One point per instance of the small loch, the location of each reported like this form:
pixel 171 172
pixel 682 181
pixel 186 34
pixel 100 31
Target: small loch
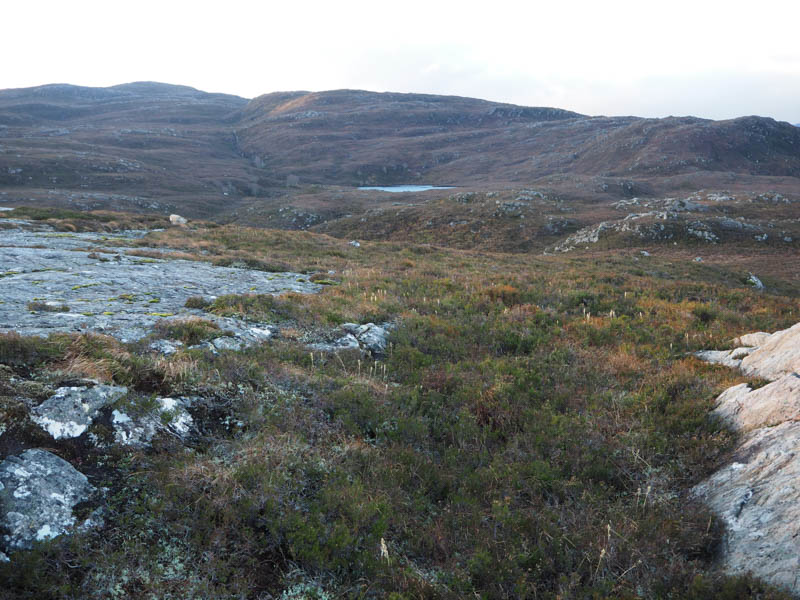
pixel 406 188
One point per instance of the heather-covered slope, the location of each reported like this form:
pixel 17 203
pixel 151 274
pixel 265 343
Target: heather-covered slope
pixel 164 148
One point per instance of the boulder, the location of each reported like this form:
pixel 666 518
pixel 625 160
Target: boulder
pixel 177 220
pixel 70 411
pixel 226 343
pixel 347 342
pixel 755 282
pixel 38 491
pixel 370 336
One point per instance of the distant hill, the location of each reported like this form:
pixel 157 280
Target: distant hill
pixel 154 146
pixel 349 137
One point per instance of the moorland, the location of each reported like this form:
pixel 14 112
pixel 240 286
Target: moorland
pixel 533 425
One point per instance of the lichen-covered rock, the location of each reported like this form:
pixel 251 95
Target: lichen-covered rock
pixel 38 491
pixel 170 415
pixel 370 336
pixel 346 342
pixel 117 296
pixel 226 343
pixel 753 280
pixel 70 411
pixel 166 347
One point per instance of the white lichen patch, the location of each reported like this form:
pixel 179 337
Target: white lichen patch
pixel 58 429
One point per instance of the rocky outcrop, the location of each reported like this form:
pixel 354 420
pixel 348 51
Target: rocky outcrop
pixel 38 491
pixel 777 355
pixel 114 293
pixel 757 495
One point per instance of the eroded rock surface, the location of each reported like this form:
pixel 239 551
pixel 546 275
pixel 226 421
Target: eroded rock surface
pixel 116 293
pixel 38 491
pixel 758 494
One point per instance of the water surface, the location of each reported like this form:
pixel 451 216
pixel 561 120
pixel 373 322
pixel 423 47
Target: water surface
pixel 406 188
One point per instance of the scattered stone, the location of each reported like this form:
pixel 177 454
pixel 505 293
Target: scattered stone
pixel 70 411
pixel 755 282
pixel 38 491
pixel 177 220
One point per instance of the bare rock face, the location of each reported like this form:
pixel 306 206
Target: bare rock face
pixel 746 409
pixel 758 494
pixel 775 356
pixel 38 491
pixel 758 497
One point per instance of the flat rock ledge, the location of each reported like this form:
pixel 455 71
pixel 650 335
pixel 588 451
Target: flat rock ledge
pixel 757 495
pixel 38 491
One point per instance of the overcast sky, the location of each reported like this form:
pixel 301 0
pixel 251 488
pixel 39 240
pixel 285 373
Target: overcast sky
pixel 707 58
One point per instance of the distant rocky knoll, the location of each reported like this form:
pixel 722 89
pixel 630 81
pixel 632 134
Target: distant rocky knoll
pixel 758 494
pixel 164 148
